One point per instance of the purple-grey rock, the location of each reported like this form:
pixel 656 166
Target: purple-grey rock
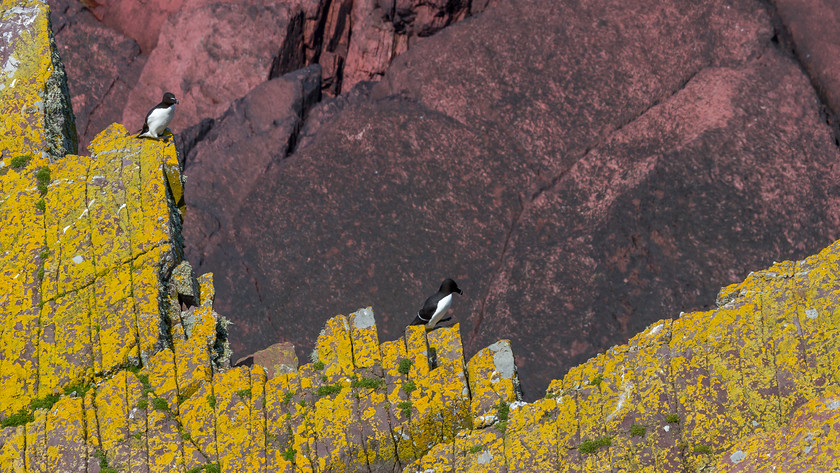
pixel 580 169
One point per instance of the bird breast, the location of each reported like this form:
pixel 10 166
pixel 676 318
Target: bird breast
pixel 442 306
pixel 159 119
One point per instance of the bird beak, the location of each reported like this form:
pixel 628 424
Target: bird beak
pixel 460 292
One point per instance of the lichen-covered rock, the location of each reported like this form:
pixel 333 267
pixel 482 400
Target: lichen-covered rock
pixel 101 369
pixel 35 115
pixel 185 285
pixel 493 383
pixel 808 443
pixel 710 388
pixel 86 241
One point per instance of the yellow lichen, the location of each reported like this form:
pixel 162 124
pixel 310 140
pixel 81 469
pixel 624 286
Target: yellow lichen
pixel 121 377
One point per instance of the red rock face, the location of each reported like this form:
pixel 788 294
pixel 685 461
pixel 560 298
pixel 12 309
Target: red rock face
pixel 814 28
pixel 224 167
pixel 104 66
pixel 139 20
pixel 582 169
pixel 695 193
pixel 208 59
pixel 210 53
pixel 579 183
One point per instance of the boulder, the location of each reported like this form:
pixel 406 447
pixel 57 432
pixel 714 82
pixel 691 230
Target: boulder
pixel 814 30
pixel 573 168
pixel 255 134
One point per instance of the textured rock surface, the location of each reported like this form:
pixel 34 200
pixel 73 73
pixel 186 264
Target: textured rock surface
pixel 35 117
pixel 585 188
pixel 83 263
pixel 733 176
pixel 808 443
pixel 814 28
pixel 526 89
pixel 342 230
pixel 223 167
pixel 101 371
pixel 680 395
pixel 211 53
pixel 208 59
pixel 141 21
pixel 277 359
pixel 103 64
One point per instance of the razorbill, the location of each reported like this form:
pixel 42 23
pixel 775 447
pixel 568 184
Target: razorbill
pixel 436 305
pixel 159 117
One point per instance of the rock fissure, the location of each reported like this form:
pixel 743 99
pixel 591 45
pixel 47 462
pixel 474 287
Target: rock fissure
pixel 751 391
pixel 93 111
pixel 499 266
pixel 771 343
pixel 784 42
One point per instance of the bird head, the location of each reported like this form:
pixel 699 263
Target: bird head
pixel 450 286
pixel 169 98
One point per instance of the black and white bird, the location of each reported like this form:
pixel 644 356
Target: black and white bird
pixel 436 305
pixel 159 117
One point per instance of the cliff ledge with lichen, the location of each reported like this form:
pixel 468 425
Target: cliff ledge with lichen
pixel 113 359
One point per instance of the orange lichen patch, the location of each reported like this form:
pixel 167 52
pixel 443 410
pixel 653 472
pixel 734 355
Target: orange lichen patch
pixel 416 350
pixel 483 451
pixel 480 450
pixel 109 426
pixel 21 241
pixel 110 209
pixel 64 347
pixel 808 443
pixel 206 289
pixel 68 228
pixel 113 316
pixel 257 453
pixel 281 399
pixel 164 441
pixel 192 355
pixel 335 350
pixel 65 436
pixel 12 448
pixel 159 370
pixel 375 427
pixel 334 417
pixel 199 423
pixel 446 386
pixel 491 373
pixel 392 354
pixel 29 74
pixel 530 440
pixel 141 181
pixel 233 392
pixel 36 442
pixel 19 360
pixel 365 339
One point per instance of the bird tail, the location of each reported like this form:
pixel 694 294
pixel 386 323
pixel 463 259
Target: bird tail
pixel 419 320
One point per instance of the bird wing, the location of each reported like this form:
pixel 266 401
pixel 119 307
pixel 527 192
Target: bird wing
pixel 146 120
pixel 425 314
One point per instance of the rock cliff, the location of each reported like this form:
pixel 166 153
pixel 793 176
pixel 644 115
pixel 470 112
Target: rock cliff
pixel 650 151
pixel 112 357
pixel 528 152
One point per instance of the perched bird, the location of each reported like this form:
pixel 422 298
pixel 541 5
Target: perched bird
pixel 436 305
pixel 159 117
